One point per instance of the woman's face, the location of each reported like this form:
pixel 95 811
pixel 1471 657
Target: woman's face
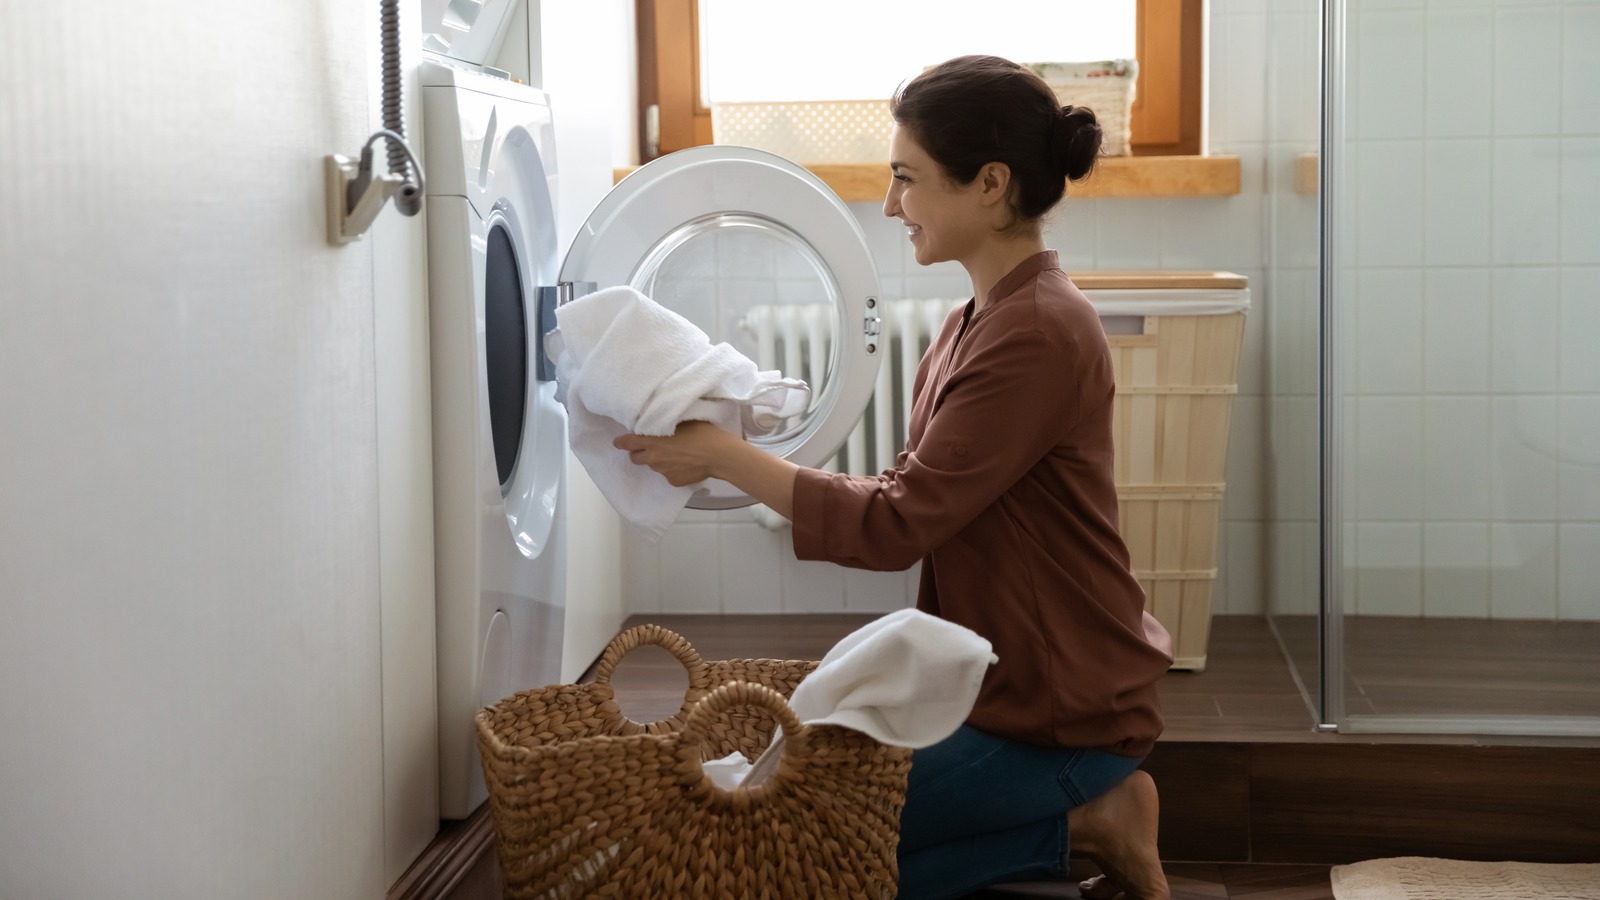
pixel 944 219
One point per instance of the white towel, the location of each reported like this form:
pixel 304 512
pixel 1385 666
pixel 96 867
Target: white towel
pixel 908 679
pixel 624 363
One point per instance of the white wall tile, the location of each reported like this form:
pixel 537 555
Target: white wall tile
pixel 1522 581
pixel 1580 201
pixel 1580 330
pixel 1580 70
pixel 1525 459
pixel 1389 331
pixel 1291 320
pixel 1580 458
pixel 886 238
pixel 1127 232
pixel 1292 447
pixel 811 586
pixel 1238 80
pixel 1070 231
pixel 1244 497
pixel 1388 195
pixel 1460 45
pixel 1527 201
pixel 752 568
pixel 1219 232
pixel 1294 59
pixel 1245 563
pixel 1526 316
pixel 1293 235
pixel 1456 199
pixel 1456 470
pixel 1456 331
pixel 1527 47
pixel 1578 583
pixel 1388 577
pixel 1350 473
pixel 1388 468
pixel 690 565
pixel 1455 580
pixel 1293 579
pixel 874 592
pixel 1387 75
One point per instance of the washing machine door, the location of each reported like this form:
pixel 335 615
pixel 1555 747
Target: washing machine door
pixel 757 252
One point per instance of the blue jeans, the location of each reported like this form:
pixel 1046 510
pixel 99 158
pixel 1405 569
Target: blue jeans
pixel 982 810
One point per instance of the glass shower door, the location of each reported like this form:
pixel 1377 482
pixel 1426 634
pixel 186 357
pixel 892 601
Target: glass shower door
pixel 1461 390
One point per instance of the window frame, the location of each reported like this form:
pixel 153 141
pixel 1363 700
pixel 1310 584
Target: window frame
pixel 1166 120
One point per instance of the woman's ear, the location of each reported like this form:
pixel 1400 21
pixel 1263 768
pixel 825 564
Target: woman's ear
pixel 994 182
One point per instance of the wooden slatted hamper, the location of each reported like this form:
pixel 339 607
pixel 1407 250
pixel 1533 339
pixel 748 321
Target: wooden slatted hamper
pixel 1175 343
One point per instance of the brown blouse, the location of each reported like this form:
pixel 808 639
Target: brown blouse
pixel 1005 493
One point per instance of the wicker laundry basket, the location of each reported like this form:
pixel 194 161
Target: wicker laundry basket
pixel 589 804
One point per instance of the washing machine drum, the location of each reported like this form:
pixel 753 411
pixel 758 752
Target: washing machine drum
pixel 505 351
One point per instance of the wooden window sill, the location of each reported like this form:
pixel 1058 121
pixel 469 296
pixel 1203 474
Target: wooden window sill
pixel 1115 176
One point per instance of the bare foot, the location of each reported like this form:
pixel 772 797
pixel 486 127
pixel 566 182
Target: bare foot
pixel 1118 831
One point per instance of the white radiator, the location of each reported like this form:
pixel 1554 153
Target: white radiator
pixel 797 339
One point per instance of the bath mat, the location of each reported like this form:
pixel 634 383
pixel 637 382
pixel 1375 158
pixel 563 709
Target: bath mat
pixel 1426 878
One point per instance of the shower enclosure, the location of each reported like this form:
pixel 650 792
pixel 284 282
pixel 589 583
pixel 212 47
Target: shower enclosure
pixel 1433 363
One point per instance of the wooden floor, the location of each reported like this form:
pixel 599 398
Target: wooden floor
pixel 1248 691
pixel 1461 667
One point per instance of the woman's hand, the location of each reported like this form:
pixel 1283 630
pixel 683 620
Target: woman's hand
pixel 692 454
pixel 700 450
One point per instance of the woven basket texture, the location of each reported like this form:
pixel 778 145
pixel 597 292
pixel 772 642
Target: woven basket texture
pixel 587 803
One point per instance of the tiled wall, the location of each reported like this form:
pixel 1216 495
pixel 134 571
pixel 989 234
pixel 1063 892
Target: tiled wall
pixel 1471 276
pixel 726 562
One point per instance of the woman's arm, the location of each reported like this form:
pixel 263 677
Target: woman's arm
pixel 700 450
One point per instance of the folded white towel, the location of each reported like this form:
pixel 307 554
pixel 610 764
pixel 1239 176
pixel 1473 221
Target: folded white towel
pixel 624 363
pixel 908 679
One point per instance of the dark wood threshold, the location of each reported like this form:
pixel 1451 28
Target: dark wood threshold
pixel 456 864
pixel 1339 802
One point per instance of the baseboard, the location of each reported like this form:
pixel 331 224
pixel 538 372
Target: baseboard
pixel 454 864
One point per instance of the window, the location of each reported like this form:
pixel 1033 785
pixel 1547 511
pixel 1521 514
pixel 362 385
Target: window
pixel 675 86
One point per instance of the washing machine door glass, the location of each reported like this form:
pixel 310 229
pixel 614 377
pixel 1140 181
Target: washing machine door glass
pixel 505 339
pixel 759 253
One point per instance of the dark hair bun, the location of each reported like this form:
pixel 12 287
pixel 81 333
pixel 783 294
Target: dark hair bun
pixel 1075 141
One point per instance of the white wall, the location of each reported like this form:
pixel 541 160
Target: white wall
pixel 190 700
pixel 1472 280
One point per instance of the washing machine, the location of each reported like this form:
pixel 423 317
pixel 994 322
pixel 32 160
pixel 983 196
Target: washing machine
pixel 499 434
pixel 737 240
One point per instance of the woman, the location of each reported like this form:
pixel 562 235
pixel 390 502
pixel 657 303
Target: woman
pixel 1005 493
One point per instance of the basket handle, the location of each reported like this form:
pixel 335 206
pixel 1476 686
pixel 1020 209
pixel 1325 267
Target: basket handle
pixel 671 641
pixel 737 693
